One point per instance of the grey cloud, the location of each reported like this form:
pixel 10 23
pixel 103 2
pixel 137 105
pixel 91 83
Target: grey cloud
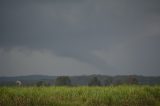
pixel 75 29
pixel 22 61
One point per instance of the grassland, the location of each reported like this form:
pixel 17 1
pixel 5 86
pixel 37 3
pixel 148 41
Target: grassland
pixel 80 96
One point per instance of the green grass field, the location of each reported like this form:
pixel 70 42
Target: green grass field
pixel 80 96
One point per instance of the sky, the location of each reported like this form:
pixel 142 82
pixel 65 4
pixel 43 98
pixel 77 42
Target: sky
pixel 79 37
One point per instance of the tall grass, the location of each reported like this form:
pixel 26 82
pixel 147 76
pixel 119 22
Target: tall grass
pixel 80 96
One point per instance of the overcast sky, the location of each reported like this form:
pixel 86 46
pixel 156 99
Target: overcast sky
pixel 78 37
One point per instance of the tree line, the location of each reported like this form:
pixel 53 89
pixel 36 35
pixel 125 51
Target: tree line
pixel 94 81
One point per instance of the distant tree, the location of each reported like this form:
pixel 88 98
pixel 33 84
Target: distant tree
pixel 40 83
pixel 132 80
pixel 94 82
pixel 108 81
pixel 43 83
pixel 47 84
pixel 118 82
pixel 63 81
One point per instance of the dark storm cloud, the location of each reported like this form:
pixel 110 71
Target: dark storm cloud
pixel 78 28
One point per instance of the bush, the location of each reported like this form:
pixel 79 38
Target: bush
pixel 63 81
pixel 94 82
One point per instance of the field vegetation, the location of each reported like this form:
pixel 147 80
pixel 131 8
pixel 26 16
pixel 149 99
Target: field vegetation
pixel 123 95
